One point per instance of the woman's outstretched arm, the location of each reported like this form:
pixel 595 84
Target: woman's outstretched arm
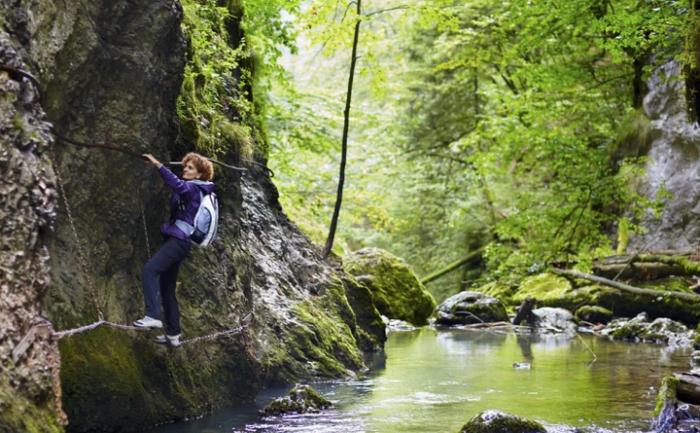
pixel 170 179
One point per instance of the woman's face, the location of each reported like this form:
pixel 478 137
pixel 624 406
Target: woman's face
pixel 190 172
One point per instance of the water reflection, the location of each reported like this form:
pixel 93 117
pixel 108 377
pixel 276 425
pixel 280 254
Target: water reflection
pixel 434 381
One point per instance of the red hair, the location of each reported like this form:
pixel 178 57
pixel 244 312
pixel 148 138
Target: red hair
pixel 202 164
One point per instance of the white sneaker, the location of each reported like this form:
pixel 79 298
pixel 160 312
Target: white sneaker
pixel 148 322
pixel 172 340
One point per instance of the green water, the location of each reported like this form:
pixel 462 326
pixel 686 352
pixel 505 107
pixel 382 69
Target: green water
pixel 434 381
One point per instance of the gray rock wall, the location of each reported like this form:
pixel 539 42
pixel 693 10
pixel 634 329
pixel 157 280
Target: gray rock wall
pixel 673 164
pixel 29 360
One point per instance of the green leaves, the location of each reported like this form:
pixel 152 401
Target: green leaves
pixel 217 111
pixel 478 122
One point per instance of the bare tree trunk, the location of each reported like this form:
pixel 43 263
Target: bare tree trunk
pixel 346 126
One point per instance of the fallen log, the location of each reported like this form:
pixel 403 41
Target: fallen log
pixel 624 258
pixel 626 287
pixel 451 267
pixel 639 270
pixel 648 266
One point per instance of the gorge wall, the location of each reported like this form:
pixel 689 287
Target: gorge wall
pixel 111 72
pixel 673 165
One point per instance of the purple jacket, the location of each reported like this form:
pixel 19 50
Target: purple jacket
pixel 184 202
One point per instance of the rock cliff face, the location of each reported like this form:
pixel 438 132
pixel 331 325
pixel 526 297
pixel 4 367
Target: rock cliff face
pixel 110 72
pixel 674 164
pixel 29 390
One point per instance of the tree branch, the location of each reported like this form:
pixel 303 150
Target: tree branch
pixel 626 287
pixel 381 11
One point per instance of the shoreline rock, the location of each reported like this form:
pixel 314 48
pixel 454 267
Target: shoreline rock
pixel 661 331
pixel 493 421
pixel 301 399
pixel 396 290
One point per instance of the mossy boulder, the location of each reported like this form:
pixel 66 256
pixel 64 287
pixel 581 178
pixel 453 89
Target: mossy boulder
pixel 470 307
pixel 492 421
pixel 543 287
pixel 558 320
pixel 301 399
pixel 593 314
pixel 397 292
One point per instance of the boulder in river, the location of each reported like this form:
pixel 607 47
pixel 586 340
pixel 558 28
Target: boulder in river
pixel 396 290
pixel 470 307
pixel 556 320
pixel 493 421
pixel 301 399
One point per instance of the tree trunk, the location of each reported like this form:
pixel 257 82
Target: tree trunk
pixel 451 267
pixel 524 313
pixel 344 149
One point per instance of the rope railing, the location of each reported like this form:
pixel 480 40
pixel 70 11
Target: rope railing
pixel 208 337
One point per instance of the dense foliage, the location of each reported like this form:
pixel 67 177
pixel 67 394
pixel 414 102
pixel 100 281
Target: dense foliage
pixel 233 48
pixel 511 125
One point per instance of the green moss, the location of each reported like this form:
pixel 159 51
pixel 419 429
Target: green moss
pixel 543 287
pixel 674 284
pixel 321 341
pixel 396 290
pixel 623 235
pixel 371 331
pixel 214 106
pixel 17 414
pixel 667 394
pixel 112 380
pixel 593 314
pixel 631 331
pixel 502 292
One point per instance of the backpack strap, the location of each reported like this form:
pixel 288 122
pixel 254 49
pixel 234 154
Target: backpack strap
pixel 184 226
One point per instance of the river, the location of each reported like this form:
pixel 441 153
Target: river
pixel 435 380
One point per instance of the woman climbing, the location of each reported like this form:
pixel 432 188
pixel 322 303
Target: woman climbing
pixel 160 272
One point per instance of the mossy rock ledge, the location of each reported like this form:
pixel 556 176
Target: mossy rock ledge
pixel 396 290
pixel 593 314
pixel 301 399
pixel 493 421
pixel 661 330
pixel 554 291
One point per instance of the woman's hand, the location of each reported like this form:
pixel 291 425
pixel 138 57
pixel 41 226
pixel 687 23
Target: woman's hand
pixel 153 161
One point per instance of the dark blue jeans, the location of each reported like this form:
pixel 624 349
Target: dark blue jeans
pixel 160 275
